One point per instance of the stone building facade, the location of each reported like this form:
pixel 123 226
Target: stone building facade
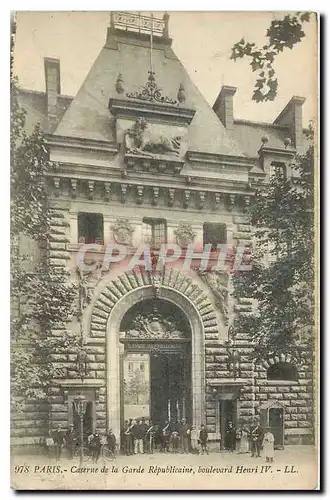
pixel 144 160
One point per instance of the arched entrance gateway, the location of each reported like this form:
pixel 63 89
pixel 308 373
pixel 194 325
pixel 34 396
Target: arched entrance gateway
pixel 155 336
pixel 155 370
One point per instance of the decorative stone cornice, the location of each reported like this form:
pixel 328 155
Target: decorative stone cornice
pixel 155 195
pixel 217 198
pixel 118 191
pixel 139 199
pixel 73 188
pixel 123 188
pixel 217 159
pixel 107 191
pixel 231 201
pixel 57 182
pixel 171 194
pixel 285 152
pixel 91 190
pixel 187 193
pixel 155 164
pixel 81 144
pixel 134 109
pixel 201 195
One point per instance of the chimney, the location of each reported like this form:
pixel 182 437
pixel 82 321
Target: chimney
pixel 53 87
pixel 224 108
pixel 291 116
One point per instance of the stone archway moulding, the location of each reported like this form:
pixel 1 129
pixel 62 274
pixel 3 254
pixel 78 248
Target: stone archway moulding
pixel 119 296
pixel 279 358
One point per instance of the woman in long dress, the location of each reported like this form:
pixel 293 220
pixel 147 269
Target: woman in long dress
pixel 268 445
pixel 244 442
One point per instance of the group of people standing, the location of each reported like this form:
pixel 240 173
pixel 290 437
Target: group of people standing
pixel 142 436
pixel 254 439
pixel 69 439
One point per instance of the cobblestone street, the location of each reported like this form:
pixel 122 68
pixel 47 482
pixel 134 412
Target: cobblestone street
pixel 292 469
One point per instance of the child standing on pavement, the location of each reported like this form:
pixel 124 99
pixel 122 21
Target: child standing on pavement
pixel 203 438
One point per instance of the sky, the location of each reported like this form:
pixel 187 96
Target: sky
pixel 201 40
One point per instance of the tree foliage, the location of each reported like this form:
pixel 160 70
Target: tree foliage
pixel 42 299
pixel 137 388
pixel 283 288
pixel 282 34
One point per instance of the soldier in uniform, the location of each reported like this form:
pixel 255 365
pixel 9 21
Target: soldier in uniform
pixel 256 437
pixel 150 437
pixel 165 442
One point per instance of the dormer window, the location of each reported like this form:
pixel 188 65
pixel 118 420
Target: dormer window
pixel 278 168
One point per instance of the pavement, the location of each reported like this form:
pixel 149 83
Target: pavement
pixel 294 468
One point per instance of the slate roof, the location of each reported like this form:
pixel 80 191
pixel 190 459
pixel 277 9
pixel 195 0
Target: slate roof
pixel 88 116
pixel 35 104
pixel 248 135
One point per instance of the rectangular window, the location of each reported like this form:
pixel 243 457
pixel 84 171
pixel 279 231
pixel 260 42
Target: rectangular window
pixel 154 231
pixel 277 168
pixel 214 234
pixel 90 228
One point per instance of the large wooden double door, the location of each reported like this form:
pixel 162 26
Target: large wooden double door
pixel 156 382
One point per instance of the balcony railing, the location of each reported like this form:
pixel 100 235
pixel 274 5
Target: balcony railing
pixel 139 23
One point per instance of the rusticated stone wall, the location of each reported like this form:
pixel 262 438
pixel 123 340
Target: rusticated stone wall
pixel 255 389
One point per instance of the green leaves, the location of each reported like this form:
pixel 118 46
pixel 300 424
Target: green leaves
pixel 282 33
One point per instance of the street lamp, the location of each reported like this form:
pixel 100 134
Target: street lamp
pixel 80 406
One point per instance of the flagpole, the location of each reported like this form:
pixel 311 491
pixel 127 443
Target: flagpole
pixel 151 42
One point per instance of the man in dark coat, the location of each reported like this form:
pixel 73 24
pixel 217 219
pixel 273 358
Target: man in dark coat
pixel 230 437
pixel 127 437
pixel 94 441
pixel 58 438
pixel 165 437
pixel 111 441
pixel 145 426
pixel 71 440
pixel 184 436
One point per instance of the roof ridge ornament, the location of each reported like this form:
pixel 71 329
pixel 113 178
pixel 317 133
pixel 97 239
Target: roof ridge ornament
pixel 151 92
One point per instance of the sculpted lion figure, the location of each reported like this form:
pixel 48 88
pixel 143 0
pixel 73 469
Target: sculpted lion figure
pixel 141 140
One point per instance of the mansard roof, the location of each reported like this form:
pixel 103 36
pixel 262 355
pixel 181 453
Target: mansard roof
pixel 128 54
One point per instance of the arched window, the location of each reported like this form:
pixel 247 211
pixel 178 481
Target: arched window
pixel 282 371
